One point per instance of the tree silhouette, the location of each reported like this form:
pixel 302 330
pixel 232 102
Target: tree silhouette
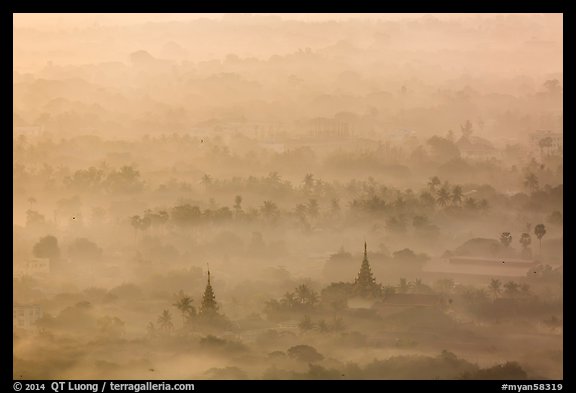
pixel 552 86
pixel 427 199
pixel 403 286
pixel 540 231
pixel 308 183
pixel 165 321
pixel 238 204
pixel 433 183
pixel 525 240
pixel 466 129
pixel 305 296
pixel 206 180
pixel 511 288
pixel 47 247
pixel 531 182
pixel 305 353
pixel 184 305
pixel 443 196
pixel 269 209
pixel 34 218
pixel 457 195
pixel 495 287
pixel 544 143
pixel 506 239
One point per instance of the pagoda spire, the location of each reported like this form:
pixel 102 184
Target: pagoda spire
pixel 209 306
pixel 365 284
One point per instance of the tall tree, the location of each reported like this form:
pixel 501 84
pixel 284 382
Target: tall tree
pixel 184 305
pixel 238 203
pixel 525 241
pixel 540 231
pixel 165 321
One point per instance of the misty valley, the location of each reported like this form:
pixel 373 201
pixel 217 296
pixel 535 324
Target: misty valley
pixel 300 199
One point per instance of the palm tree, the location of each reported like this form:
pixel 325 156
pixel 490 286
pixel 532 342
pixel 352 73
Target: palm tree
pixel 506 239
pixel 206 180
pixel 443 196
pixel 184 305
pixel 525 240
pixel 495 287
pixel 531 182
pixel 457 195
pixel 274 177
pixel 165 321
pixel 511 288
pixel 238 203
pixel 433 183
pixel 540 231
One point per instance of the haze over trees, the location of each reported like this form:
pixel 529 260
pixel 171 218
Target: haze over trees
pixel 305 197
